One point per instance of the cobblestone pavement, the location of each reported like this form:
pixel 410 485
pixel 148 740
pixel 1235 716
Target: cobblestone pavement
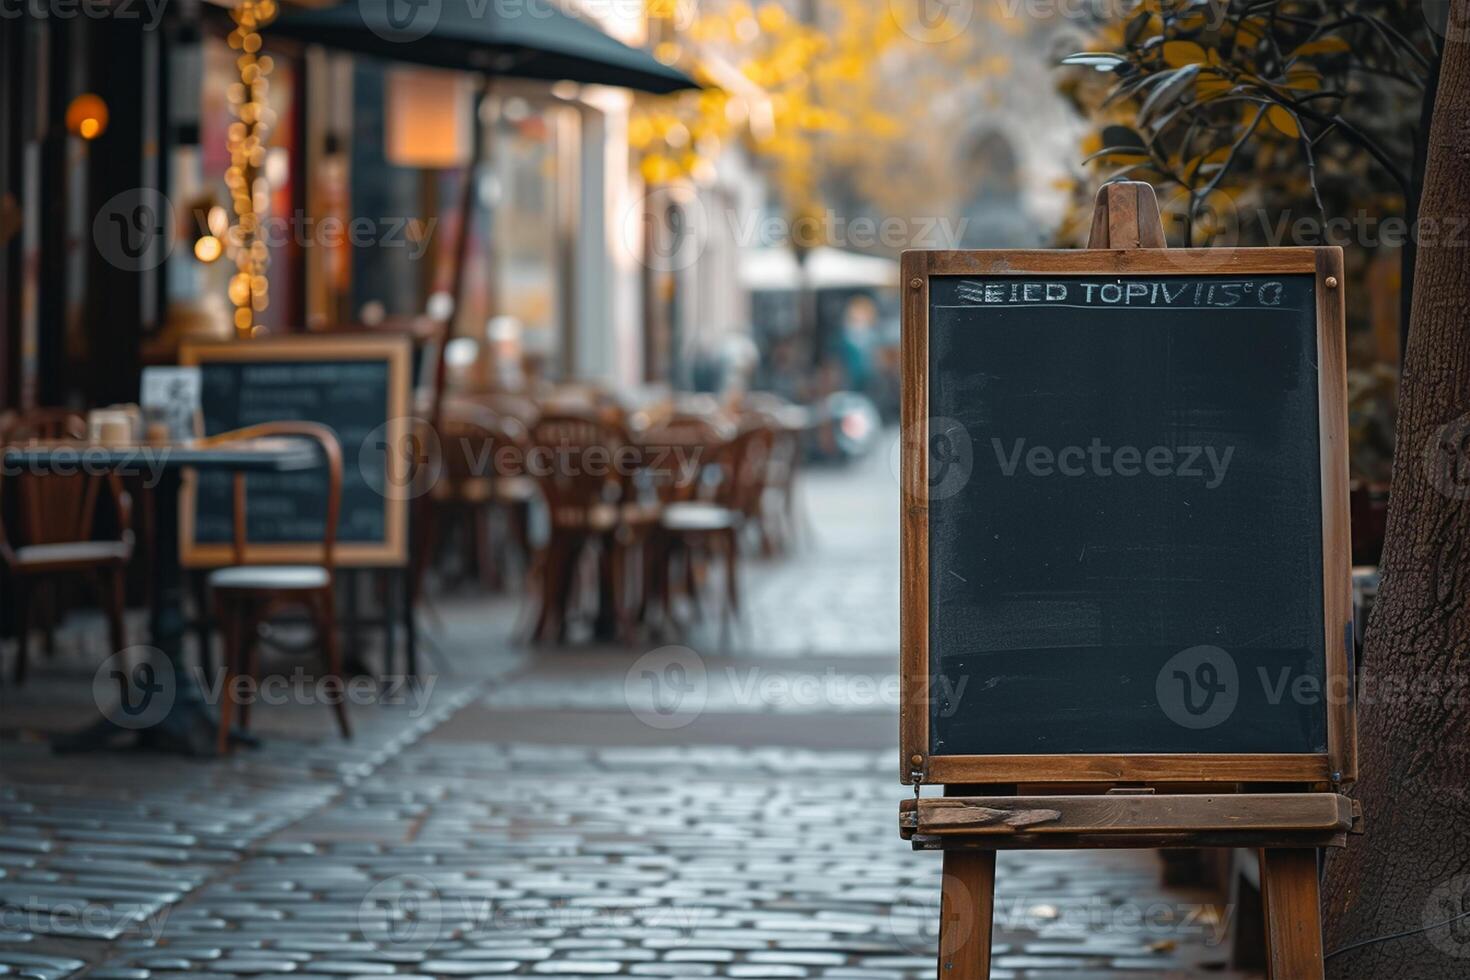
pixel 556 813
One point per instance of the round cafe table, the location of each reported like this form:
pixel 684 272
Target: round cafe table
pixel 181 721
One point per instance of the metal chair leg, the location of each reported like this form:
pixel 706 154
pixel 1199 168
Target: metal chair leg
pixel 230 640
pixel 326 606
pixel 22 628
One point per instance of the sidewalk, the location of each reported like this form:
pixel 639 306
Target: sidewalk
pixel 684 811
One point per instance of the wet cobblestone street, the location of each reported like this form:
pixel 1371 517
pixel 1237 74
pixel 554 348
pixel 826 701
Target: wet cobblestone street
pixel 551 813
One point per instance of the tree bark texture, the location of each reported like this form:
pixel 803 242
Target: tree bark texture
pixel 1412 867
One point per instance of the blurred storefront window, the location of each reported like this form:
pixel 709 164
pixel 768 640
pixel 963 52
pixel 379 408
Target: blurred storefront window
pixel 524 165
pixel 365 202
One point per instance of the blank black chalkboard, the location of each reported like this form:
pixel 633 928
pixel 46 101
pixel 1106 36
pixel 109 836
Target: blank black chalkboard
pixel 356 387
pixel 1125 543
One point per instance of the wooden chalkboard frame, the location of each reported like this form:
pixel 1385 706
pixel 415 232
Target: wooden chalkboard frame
pixel 392 551
pixel 1338 765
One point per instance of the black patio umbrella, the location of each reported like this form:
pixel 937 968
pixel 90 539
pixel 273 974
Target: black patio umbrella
pixel 506 38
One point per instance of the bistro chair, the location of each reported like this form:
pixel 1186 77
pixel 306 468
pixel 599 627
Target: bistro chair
pixel 780 520
pixel 572 456
pixel 482 476
pixel 246 594
pixel 54 515
pixel 677 454
pixel 710 529
pixel 505 404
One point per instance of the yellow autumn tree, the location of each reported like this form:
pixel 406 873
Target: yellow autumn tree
pixel 838 95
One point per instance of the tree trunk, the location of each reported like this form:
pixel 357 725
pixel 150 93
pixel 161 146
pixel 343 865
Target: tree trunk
pixel 1412 194
pixel 1412 868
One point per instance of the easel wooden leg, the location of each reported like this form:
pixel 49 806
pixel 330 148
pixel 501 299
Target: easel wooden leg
pixel 966 913
pixel 1293 908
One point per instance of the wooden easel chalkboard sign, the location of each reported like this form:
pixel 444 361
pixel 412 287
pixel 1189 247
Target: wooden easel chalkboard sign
pixel 1125 558
pixel 358 385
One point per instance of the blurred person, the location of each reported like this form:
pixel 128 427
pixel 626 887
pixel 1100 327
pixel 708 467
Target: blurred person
pixel 858 340
pixel 503 337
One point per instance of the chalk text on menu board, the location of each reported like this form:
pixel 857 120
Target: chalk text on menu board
pixel 1186 294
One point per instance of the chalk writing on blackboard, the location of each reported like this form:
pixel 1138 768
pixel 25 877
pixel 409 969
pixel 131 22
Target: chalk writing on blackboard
pixel 1175 294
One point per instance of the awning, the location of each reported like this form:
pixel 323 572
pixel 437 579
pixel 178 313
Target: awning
pixel 514 38
pixel 826 268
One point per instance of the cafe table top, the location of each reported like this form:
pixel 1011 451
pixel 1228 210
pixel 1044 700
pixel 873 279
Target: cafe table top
pixel 271 454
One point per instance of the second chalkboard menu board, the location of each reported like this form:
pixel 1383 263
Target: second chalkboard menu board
pixel 1125 536
pixel 356 385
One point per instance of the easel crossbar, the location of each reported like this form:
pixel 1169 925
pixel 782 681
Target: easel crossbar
pixel 1267 813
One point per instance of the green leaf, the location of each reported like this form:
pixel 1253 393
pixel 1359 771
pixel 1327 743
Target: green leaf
pixel 1101 60
pixel 1135 28
pixel 1116 151
pixel 1119 135
pixel 1176 84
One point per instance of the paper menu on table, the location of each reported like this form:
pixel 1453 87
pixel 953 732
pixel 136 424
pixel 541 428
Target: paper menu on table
pixel 171 396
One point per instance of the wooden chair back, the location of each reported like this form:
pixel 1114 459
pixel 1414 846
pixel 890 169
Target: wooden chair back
pixel 771 413
pixel 331 450
pixel 45 424
pixel 504 404
pixel 56 508
pixel 571 455
pixel 478 444
pixel 744 462
pixel 678 451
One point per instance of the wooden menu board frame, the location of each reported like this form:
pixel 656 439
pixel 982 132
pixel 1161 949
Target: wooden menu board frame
pixel 1338 765
pixel 392 551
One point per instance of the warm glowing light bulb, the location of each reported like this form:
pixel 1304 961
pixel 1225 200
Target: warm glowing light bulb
pixel 86 116
pixel 208 248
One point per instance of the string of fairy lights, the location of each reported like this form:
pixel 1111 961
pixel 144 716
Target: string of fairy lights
pixel 249 190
